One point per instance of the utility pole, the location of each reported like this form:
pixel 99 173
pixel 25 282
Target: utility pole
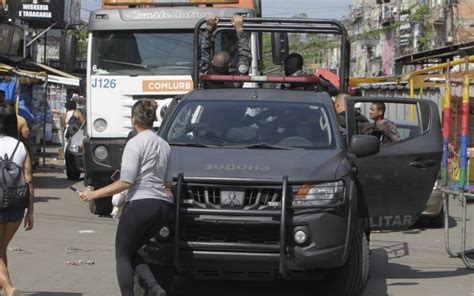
pixel 397 47
pixel 449 22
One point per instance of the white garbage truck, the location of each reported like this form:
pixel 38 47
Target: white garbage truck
pixel 138 49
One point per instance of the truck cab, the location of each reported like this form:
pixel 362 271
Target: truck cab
pixel 266 186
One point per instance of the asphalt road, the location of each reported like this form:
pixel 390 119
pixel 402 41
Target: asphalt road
pixel 71 253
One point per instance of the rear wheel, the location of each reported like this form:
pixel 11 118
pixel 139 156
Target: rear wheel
pixel 351 279
pixel 101 206
pixel 438 221
pixel 72 172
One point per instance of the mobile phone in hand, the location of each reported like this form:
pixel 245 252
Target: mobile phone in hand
pixel 75 189
pixel 115 176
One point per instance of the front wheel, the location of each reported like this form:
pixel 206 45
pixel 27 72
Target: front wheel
pixel 101 206
pixel 351 279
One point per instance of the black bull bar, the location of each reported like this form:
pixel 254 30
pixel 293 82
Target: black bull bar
pixel 281 213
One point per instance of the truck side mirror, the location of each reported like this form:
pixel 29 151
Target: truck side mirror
pixel 67 53
pixel 280 47
pixel 363 145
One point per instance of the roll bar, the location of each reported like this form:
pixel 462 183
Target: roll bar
pixel 319 26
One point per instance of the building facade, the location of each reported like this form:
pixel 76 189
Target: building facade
pixel 383 30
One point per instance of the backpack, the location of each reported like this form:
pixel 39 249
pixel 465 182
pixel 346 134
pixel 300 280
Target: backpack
pixel 73 126
pixel 14 192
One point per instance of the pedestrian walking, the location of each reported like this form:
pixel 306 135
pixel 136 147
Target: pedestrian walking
pixel 17 189
pixel 144 174
pixel 72 120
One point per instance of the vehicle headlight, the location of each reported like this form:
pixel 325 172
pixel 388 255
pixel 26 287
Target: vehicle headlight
pixel 74 148
pixel 314 195
pixel 101 152
pixel 100 125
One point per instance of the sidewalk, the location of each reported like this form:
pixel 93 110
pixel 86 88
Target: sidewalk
pixel 51 159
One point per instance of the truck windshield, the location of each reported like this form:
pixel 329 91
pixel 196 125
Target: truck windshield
pixel 142 53
pixel 251 125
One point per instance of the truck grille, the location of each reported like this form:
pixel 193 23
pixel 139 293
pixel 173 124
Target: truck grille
pixel 232 233
pixel 243 198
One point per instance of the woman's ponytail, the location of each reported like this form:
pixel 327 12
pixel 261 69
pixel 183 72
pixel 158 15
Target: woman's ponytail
pixel 144 112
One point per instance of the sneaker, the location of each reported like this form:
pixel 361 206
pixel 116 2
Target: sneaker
pixel 15 292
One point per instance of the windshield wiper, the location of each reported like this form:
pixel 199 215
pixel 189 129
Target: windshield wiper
pixel 126 64
pixel 190 144
pixel 266 146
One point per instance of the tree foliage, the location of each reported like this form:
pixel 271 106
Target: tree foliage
pixel 82 35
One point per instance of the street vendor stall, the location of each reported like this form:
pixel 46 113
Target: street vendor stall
pixel 40 98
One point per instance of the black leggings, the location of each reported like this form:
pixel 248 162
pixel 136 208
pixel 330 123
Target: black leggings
pixel 139 222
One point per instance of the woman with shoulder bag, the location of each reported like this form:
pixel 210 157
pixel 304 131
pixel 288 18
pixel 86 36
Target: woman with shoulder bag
pixel 11 149
pixel 144 173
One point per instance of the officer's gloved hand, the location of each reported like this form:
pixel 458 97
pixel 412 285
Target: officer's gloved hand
pixel 327 86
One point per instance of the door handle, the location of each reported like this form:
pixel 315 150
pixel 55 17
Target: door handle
pixel 423 164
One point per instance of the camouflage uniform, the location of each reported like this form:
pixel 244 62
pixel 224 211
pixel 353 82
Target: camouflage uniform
pixel 324 85
pixel 243 51
pixel 359 118
pixel 390 130
pixel 387 129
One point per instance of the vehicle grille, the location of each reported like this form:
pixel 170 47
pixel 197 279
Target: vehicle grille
pixel 254 198
pixel 231 233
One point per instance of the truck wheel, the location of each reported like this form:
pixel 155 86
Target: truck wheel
pixel 351 279
pixel 101 206
pixel 72 172
pixel 438 221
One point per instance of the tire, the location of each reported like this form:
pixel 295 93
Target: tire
pixel 423 222
pixel 351 279
pixel 72 172
pixel 101 206
pixel 438 221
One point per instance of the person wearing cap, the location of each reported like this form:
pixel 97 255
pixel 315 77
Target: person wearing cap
pixel 220 64
pixel 294 67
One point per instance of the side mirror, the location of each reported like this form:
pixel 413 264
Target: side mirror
pixel 280 47
pixel 67 53
pixel 363 145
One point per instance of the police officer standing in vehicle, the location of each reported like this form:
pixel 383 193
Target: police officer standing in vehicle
pixel 220 64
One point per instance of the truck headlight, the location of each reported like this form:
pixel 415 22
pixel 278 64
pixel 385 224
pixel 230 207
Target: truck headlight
pixel 314 195
pixel 100 125
pixel 101 152
pixel 74 148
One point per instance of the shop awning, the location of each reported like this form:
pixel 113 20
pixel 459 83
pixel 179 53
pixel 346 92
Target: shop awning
pixel 63 80
pixel 61 77
pixel 9 70
pixel 53 70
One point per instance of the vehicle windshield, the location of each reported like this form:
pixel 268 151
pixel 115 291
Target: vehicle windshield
pixel 142 53
pixel 251 125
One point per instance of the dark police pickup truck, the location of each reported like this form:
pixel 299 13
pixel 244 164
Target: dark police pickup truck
pixel 266 187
